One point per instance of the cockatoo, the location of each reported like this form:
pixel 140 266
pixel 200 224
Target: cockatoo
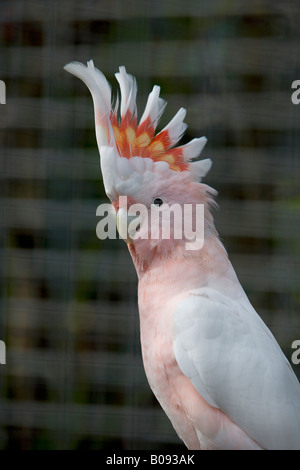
pixel 212 363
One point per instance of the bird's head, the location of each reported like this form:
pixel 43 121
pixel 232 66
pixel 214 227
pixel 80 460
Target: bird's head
pixel 154 186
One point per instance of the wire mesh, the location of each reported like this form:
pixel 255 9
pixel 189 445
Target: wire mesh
pixel 73 377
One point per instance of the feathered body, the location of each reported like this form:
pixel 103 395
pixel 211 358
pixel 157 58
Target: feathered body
pixel 212 363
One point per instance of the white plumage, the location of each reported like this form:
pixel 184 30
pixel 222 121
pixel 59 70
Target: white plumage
pixel 236 365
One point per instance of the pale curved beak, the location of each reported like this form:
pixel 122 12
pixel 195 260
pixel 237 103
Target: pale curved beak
pixel 127 225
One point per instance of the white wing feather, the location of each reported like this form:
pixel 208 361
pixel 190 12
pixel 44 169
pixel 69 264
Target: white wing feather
pixel 236 365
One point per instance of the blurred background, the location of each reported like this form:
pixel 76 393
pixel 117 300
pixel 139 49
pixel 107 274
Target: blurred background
pixel 73 377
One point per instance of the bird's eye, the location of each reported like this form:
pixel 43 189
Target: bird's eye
pixel 157 201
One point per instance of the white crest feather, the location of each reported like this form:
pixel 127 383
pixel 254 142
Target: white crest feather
pixel 128 88
pixel 155 107
pixel 101 93
pixel 176 126
pixel 194 148
pixel 201 168
pixel 95 81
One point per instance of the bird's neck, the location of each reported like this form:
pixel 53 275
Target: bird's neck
pixel 181 270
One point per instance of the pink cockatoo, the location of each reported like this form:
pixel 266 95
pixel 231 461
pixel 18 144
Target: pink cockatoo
pixel 212 363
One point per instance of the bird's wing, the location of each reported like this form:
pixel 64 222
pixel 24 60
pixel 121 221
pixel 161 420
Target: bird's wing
pixel 236 365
